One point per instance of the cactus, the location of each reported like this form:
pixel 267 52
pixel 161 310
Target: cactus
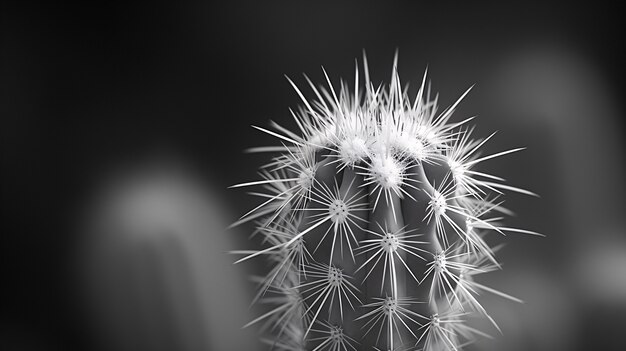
pixel 374 218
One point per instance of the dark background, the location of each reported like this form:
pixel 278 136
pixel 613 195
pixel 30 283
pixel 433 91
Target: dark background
pixel 86 88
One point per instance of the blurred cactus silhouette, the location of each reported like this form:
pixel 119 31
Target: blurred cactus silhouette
pixel 155 264
pixel 375 220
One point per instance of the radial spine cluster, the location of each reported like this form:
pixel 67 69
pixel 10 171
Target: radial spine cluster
pixel 373 217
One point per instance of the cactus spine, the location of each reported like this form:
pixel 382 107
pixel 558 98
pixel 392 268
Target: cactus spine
pixel 374 218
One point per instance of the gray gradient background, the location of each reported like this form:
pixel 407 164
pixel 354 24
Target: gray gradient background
pixel 124 124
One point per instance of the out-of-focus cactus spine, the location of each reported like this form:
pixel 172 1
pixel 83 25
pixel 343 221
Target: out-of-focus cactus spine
pixel 374 216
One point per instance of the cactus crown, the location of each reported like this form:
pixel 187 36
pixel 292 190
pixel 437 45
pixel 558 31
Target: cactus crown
pixel 374 218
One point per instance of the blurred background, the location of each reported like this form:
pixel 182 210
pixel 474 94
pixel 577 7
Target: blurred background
pixel 123 125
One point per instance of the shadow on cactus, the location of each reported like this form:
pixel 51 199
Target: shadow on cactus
pixel 374 216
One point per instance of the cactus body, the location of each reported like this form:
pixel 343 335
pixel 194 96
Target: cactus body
pixel 374 217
